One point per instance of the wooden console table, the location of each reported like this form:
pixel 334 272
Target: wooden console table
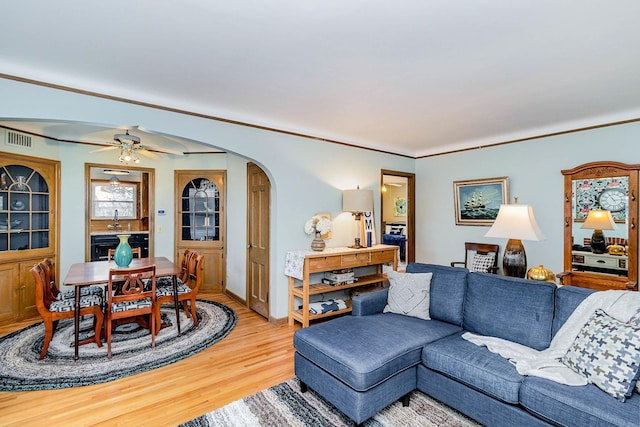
pixel 301 264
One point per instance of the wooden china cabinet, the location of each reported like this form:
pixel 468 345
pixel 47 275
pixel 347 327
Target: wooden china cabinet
pixel 29 204
pixel 200 221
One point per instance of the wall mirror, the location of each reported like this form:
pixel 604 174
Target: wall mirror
pixel 600 226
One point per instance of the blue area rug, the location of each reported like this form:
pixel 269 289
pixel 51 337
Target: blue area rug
pixel 21 370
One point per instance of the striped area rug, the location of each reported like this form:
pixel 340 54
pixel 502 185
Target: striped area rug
pixel 285 405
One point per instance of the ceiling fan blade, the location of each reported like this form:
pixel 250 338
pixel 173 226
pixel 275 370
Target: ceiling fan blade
pixel 148 154
pixel 162 150
pixel 113 147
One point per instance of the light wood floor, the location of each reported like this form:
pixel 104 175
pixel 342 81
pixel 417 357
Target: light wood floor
pixel 254 356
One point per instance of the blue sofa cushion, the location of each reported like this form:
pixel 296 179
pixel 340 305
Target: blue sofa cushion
pixel 474 366
pixel 578 406
pixel 568 298
pixel 448 285
pixel 363 351
pixel 511 308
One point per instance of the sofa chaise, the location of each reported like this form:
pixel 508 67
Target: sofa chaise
pixel 364 362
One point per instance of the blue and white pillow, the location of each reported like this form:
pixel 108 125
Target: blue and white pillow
pixel 607 352
pixel 482 263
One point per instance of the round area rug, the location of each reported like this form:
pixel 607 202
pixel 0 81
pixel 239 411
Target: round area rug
pixel 131 350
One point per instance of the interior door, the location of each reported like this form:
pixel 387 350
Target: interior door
pixel 397 207
pixel 259 189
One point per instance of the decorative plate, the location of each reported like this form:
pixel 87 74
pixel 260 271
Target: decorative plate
pixel 17 205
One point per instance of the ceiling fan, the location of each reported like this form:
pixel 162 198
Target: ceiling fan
pixel 129 146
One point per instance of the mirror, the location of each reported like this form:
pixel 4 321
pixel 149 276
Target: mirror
pixel 600 223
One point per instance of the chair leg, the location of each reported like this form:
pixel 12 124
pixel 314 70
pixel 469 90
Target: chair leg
pixel 185 308
pixel 98 318
pixel 192 303
pixel 158 317
pixel 48 333
pixel 152 318
pixel 108 334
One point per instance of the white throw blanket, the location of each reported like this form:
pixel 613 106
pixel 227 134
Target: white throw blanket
pixel 620 305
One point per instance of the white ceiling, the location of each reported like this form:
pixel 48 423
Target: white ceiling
pixel 414 77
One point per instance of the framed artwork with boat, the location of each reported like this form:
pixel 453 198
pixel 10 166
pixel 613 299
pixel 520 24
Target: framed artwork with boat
pixel 477 201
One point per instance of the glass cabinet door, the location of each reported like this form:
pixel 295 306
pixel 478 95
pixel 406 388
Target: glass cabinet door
pixel 24 209
pixel 200 210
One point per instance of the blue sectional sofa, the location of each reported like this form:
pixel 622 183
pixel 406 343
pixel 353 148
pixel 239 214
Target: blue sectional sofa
pixel 364 362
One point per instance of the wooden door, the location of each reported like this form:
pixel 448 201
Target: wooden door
pixel 9 292
pixel 201 221
pixel 28 290
pixel 258 189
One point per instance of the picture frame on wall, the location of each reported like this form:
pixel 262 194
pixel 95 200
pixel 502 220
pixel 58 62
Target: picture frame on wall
pixel 477 201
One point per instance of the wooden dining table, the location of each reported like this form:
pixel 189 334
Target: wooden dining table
pixel 97 273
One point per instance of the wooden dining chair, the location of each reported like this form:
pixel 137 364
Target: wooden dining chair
pixel 187 290
pixel 480 257
pixel 53 293
pixel 132 298
pixel 52 311
pixel 137 253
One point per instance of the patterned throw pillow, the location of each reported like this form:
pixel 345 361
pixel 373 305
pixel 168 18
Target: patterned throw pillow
pixel 607 353
pixel 482 263
pixel 409 294
pixel 396 231
pixel 635 323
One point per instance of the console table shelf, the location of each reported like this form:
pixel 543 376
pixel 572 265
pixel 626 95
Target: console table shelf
pixel 301 264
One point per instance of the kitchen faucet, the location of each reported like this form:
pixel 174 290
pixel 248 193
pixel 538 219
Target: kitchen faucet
pixel 116 225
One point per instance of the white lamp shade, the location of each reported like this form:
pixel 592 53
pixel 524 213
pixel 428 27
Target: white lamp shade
pixel 357 200
pixel 516 222
pixel 599 219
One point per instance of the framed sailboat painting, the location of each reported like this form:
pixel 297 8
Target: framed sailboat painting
pixel 477 201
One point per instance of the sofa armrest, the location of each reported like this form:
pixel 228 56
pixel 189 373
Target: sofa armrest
pixel 369 303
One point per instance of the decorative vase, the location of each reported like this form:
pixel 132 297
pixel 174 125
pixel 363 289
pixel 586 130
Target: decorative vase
pixel 123 254
pixel 318 244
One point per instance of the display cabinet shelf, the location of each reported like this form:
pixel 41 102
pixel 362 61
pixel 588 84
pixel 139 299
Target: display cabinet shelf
pixel 28 229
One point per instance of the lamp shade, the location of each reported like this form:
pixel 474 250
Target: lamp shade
pixel 599 219
pixel 516 222
pixel 357 200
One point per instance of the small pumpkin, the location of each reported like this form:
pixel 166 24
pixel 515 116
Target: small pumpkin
pixel 616 250
pixel 541 273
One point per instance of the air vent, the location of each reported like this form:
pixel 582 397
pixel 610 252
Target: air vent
pixel 18 139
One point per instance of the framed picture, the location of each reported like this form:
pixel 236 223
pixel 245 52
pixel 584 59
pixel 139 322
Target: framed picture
pixel 607 193
pixel 477 201
pixel 400 206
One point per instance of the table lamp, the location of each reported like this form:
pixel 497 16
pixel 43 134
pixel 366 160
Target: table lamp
pixel 516 223
pixel 598 220
pixel 357 201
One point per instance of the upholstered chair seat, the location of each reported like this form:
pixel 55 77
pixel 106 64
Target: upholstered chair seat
pixel 63 305
pixel 89 290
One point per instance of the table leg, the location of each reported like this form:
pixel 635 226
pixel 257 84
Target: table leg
pixel 176 302
pixel 76 322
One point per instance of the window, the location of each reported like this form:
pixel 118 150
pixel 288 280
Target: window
pixel 106 198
